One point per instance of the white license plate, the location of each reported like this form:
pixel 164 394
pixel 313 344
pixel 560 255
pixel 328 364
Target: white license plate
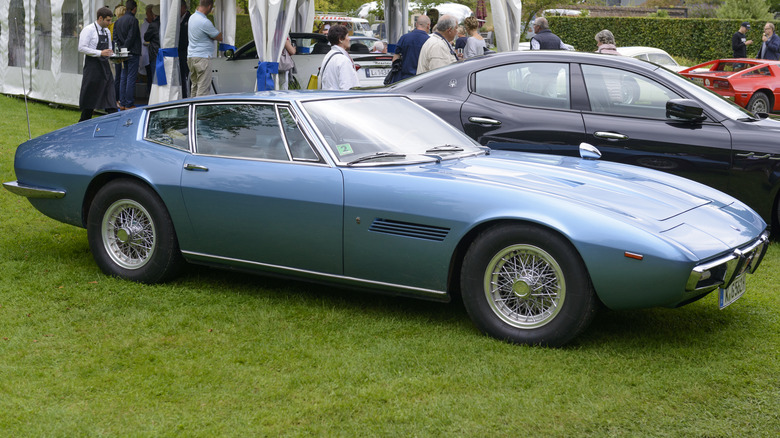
pixel 699 81
pixel 378 72
pixel 732 293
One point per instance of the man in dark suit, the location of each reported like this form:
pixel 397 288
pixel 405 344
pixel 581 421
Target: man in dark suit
pixel 184 70
pixel 770 48
pixel 128 35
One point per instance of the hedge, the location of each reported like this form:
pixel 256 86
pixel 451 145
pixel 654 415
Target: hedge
pixel 700 39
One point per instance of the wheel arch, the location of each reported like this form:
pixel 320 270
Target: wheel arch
pixel 456 262
pixel 100 181
pixel 769 95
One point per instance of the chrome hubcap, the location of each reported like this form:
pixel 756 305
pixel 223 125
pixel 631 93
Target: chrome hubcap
pixel 525 286
pixel 129 234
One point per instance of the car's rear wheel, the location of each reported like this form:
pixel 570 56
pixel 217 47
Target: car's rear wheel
pixel 526 284
pixel 758 103
pixel 629 90
pixel 131 234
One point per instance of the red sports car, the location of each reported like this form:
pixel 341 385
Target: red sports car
pixel 751 83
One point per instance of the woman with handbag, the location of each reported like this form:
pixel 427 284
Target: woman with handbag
pixel 286 65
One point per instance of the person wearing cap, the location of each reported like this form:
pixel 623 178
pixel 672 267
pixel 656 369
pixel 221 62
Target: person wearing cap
pixel 739 41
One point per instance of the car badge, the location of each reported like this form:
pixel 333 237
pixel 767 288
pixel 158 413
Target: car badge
pixel 453 83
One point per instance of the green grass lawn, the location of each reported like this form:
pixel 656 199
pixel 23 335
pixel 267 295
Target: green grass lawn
pixel 218 353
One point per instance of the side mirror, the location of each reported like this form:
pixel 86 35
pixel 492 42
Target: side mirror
pixel 589 152
pixel 229 53
pixel 685 109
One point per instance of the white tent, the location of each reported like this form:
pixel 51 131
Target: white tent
pixel 39 40
pixel 41 37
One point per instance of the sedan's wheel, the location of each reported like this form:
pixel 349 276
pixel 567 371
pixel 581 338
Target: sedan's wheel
pixel 526 284
pixel 131 234
pixel 629 90
pixel 759 103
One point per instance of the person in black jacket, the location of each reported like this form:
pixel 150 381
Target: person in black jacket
pixel 128 35
pixel 184 40
pixel 739 41
pixel 152 36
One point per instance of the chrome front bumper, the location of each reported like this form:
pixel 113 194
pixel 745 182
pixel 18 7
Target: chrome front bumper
pixel 722 271
pixel 33 192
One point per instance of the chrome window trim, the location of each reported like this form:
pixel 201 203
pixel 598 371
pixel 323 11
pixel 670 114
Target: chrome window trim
pixel 193 143
pixel 147 118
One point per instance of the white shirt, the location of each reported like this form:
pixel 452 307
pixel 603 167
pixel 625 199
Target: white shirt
pixel 435 53
pixel 340 72
pixel 88 39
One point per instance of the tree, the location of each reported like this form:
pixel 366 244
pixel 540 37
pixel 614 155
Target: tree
pixel 745 10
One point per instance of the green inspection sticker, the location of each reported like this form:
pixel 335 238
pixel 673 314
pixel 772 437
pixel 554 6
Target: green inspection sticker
pixel 344 149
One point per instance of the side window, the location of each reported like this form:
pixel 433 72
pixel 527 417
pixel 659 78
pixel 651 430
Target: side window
pixel 300 149
pixel 169 127
pixel 620 92
pixel 239 130
pixel 532 84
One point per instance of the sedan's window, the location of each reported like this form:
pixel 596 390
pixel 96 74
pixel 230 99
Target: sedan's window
pixel 661 58
pixel 620 92
pixel 239 130
pixel 532 84
pixel 300 149
pixel 169 127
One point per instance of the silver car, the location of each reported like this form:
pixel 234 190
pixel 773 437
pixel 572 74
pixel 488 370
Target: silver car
pixel 238 72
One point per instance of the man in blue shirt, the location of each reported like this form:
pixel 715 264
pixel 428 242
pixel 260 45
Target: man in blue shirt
pixel 202 35
pixel 409 46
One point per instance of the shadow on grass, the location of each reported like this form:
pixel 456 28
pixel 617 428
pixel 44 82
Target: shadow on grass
pixel 323 295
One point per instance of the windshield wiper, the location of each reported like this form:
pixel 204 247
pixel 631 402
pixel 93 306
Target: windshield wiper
pixel 376 156
pixel 445 148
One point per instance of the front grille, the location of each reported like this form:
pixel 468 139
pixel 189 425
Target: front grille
pixel 722 271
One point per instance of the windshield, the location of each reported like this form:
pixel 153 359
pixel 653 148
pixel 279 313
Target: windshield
pixel 385 130
pixel 709 98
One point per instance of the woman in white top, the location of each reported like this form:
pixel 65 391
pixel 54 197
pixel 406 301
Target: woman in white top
pixel 475 45
pixel 337 71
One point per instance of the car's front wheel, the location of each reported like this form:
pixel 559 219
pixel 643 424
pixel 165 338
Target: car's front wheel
pixel 131 234
pixel 526 284
pixel 758 103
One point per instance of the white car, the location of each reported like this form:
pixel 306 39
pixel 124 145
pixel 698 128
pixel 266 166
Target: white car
pixel 238 72
pixel 651 54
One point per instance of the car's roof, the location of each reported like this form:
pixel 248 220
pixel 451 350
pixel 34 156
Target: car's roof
pixel 636 50
pixel 277 95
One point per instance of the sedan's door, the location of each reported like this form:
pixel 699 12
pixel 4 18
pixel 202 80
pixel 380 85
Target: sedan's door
pixel 237 74
pixel 628 124
pixel 524 106
pixel 257 192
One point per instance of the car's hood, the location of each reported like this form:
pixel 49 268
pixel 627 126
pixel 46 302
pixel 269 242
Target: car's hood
pixel 655 201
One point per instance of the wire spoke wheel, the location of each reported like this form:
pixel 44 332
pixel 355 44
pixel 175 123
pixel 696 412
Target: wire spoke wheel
pixel 129 234
pixel 525 286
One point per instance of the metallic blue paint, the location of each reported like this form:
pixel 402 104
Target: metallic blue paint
pixel 319 221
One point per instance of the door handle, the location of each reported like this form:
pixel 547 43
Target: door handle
pixel 756 157
pixel 196 167
pixel 484 121
pixel 610 135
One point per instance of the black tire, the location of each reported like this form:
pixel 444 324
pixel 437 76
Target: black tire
pixel 131 234
pixel 759 103
pixel 519 258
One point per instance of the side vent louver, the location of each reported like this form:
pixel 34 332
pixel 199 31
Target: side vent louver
pixel 407 229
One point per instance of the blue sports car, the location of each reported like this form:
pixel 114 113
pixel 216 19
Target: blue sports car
pixel 374 191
